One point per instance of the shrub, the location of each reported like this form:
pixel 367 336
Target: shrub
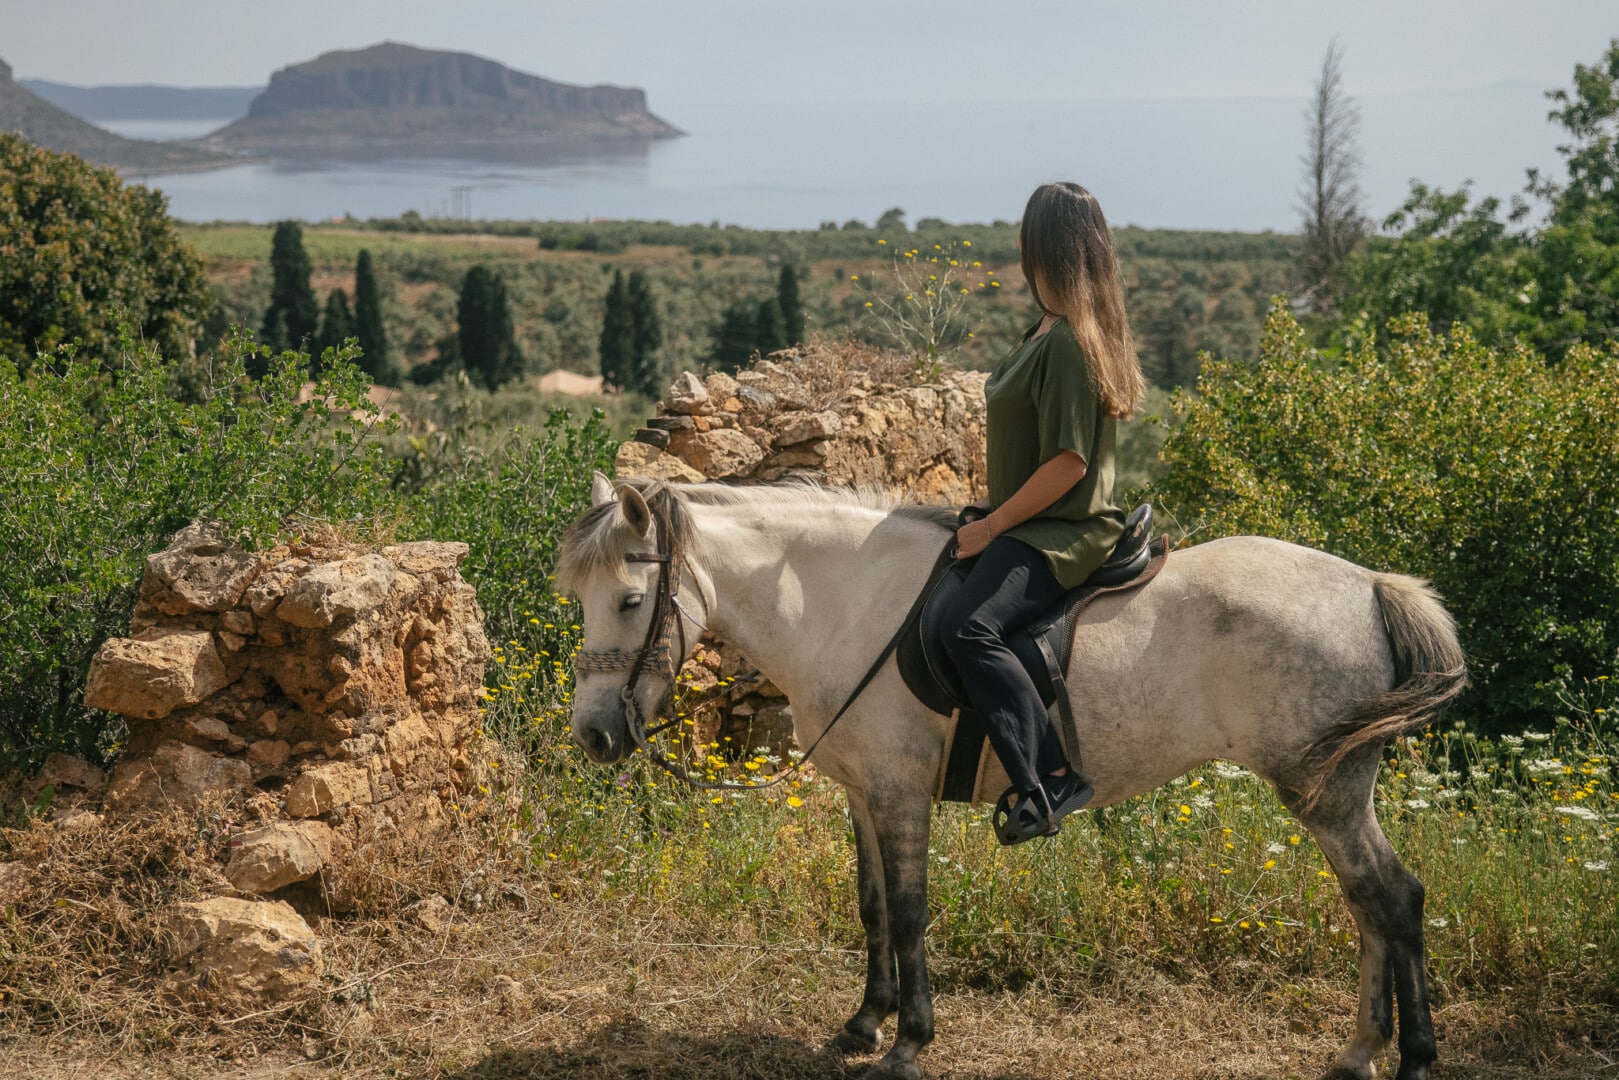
pixel 513 505
pixel 1486 471
pixel 101 464
pixel 83 253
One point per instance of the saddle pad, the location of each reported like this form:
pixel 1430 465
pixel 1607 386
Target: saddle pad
pixel 969 771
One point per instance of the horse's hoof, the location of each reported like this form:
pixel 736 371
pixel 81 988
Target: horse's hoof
pixel 1413 1070
pixel 855 1042
pixel 894 1070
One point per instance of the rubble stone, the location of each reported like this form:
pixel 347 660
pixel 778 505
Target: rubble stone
pixel 687 395
pixel 175 772
pixel 199 571
pixel 335 784
pixel 274 856
pixel 65 771
pixel 150 676
pixel 338 590
pixel 241 953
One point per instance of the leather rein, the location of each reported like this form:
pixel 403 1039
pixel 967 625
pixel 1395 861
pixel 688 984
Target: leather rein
pixel 655 648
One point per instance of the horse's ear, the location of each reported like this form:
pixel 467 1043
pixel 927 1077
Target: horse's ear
pixel 601 489
pixel 635 510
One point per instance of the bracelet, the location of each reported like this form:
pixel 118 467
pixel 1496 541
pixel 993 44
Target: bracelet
pixel 989 524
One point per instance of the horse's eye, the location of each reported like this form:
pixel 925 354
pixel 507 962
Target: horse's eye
pixel 632 600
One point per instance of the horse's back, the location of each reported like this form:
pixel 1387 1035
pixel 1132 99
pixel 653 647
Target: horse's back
pixel 1243 648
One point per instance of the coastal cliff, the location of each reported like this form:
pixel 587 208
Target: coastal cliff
pixel 394 96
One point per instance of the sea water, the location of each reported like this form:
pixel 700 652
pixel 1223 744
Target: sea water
pixel 1208 164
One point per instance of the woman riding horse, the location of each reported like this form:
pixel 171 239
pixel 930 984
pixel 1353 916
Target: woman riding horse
pixel 1050 518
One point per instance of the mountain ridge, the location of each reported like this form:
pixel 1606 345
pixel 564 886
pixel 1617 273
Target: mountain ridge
pixel 54 128
pixel 145 101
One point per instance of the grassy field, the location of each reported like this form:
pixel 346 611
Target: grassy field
pixel 607 923
pixel 659 933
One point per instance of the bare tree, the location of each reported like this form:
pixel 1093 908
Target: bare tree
pixel 1333 224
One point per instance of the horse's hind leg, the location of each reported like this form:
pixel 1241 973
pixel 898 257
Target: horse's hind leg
pixel 1386 901
pixel 863 1032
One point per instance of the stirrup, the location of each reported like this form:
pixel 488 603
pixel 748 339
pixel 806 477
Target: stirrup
pixel 1034 815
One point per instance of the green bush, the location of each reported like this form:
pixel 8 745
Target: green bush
pixel 101 462
pixel 1486 471
pixel 512 505
pixel 83 254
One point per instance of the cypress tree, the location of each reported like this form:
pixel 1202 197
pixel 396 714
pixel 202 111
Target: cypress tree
pixel 733 341
pixel 336 325
pixel 792 310
pixel 618 337
pixel 647 375
pixel 488 339
pixel 292 318
pixel 375 358
pixel 770 330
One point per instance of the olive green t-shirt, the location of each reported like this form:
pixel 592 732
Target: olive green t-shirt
pixel 1040 403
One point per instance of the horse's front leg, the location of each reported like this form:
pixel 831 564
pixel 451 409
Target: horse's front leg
pixel 900 815
pixel 863 1033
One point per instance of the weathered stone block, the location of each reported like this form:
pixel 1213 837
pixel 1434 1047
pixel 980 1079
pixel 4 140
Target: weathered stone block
pixel 435 559
pixel 175 773
pixel 150 676
pixel 274 856
pixel 721 453
pixel 268 753
pixel 687 395
pixel 345 589
pixel 337 783
pixel 798 428
pixel 65 771
pixel 199 571
pixel 242 953
pixel 640 459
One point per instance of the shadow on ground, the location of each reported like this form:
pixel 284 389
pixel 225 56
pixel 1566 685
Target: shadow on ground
pixel 629 1049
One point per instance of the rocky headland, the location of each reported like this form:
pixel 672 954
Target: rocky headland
pixel 398 97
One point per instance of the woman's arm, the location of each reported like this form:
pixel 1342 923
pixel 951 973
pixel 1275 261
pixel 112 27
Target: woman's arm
pixel 1048 484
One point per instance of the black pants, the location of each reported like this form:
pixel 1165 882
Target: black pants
pixel 1008 586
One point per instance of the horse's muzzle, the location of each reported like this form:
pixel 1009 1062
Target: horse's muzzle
pixel 600 745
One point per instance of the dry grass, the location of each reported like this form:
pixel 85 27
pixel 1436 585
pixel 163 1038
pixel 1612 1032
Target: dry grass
pixel 581 987
pixel 824 372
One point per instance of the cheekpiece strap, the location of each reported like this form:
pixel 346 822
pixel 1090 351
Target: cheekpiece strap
pixel 648 556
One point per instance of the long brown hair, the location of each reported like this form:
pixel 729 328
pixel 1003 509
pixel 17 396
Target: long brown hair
pixel 1073 271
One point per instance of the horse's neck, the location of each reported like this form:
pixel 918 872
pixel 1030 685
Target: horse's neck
pixel 810 594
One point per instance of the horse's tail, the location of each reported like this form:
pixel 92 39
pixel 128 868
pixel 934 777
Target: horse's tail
pixel 1429 673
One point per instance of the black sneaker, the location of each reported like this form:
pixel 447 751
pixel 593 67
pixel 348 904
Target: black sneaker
pixel 1039 812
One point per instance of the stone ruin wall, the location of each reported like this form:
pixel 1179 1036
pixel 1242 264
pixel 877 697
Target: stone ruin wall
pixel 334 690
pixel 805 412
pixel 334 687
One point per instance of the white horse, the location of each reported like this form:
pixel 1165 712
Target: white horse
pixel 1294 663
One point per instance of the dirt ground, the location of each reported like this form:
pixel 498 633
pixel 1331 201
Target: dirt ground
pixel 498 1001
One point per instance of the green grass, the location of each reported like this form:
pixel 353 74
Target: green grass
pixel 1208 877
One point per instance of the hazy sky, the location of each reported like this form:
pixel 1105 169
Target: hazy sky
pixel 838 50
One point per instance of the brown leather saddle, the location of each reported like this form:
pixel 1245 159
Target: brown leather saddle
pixel 1043 647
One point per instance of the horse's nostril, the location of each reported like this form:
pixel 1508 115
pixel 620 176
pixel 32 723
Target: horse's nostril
pixel 596 741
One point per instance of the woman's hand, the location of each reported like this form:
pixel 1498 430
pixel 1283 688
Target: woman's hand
pixel 973 537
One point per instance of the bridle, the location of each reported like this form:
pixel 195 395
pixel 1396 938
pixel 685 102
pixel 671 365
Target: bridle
pixel 655 650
